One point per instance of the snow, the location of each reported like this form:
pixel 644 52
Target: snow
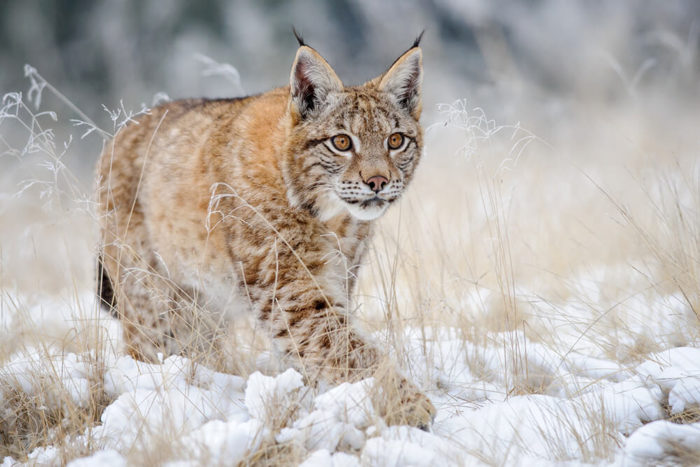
pixel 685 394
pixel 31 369
pixel 323 458
pixel 379 451
pixel 677 371
pixel 225 442
pixel 349 403
pixel 662 441
pixel 339 417
pixel 263 392
pixel 579 407
pixel 168 400
pixel 104 458
pixel 43 455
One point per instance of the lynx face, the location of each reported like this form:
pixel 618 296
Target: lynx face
pixel 352 148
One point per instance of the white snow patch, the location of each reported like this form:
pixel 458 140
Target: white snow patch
pixel 349 403
pixel 402 445
pixel 677 372
pixel 265 394
pixel 165 400
pixel 225 443
pixel 663 442
pixel 104 458
pixel 323 458
pixel 339 417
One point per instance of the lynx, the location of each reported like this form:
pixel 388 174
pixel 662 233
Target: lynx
pixel 266 203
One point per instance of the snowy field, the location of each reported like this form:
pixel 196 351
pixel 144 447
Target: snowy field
pixel 581 406
pixel 543 292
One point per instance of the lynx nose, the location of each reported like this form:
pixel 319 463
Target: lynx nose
pixel 377 183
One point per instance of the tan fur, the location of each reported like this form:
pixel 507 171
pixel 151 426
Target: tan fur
pixel 211 205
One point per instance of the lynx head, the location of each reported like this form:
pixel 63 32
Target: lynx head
pixel 352 148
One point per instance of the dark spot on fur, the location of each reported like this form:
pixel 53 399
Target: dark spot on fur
pixel 294 319
pixel 105 289
pixel 310 206
pixel 313 142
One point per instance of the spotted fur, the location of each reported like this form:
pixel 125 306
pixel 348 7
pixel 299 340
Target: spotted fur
pixel 208 206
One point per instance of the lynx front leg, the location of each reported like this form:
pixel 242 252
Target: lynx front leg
pixel 313 327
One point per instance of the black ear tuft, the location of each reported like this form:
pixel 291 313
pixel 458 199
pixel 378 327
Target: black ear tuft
pixel 416 43
pixel 300 39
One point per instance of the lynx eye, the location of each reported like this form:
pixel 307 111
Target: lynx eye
pixel 341 142
pixel 395 141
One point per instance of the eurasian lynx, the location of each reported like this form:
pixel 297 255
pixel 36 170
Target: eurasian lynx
pixel 207 205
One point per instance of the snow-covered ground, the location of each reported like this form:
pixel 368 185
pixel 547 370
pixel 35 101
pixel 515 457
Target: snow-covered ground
pixel 579 406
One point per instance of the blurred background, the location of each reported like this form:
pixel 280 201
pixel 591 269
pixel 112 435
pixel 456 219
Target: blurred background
pixel 507 56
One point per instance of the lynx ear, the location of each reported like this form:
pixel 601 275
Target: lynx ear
pixel 404 79
pixel 311 81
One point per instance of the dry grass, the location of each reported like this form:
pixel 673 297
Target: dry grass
pixel 502 234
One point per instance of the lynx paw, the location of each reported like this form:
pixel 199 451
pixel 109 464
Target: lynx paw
pixel 407 405
pixel 416 410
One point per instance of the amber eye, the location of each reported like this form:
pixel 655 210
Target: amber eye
pixel 341 142
pixel 395 141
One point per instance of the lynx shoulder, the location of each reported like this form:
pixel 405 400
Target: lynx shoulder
pixel 207 206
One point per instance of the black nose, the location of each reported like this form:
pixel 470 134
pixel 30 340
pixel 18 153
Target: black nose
pixel 377 183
